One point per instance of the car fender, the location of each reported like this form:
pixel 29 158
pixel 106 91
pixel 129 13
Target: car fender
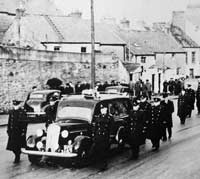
pixel 84 142
pixel 120 134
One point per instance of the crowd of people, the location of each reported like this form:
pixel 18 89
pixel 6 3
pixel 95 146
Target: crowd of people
pixel 149 119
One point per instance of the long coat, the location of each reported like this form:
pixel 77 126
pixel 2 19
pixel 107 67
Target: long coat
pixel 16 130
pixel 137 127
pixel 198 98
pixel 190 94
pixel 182 106
pixel 168 110
pixel 156 129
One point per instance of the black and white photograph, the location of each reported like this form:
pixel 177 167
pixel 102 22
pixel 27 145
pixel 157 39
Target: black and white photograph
pixel 100 89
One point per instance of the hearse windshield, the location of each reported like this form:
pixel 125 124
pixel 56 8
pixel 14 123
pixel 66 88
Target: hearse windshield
pixel 75 110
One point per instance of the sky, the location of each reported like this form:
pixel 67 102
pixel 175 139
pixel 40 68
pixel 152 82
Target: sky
pixel 134 10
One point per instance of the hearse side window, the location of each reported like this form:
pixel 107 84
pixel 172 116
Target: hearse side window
pixel 118 109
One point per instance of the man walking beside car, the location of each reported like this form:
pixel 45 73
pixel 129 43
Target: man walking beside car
pixel 16 130
pixel 101 132
pixel 136 128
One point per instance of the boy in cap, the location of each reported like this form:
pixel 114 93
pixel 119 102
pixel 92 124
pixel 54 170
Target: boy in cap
pixel 16 130
pixel 168 110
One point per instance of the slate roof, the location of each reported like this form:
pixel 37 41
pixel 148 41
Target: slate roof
pixel 78 30
pixel 149 42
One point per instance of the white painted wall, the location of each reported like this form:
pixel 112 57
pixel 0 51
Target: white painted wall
pixel 190 64
pixel 72 47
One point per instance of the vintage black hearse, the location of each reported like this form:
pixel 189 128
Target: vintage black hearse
pixel 71 136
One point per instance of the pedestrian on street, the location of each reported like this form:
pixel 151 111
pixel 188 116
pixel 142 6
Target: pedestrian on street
pixel 51 111
pixel 155 130
pixel 101 133
pixel 167 122
pixel 165 86
pixel 182 106
pixel 190 94
pixel 136 128
pixel 149 89
pixel 16 130
pixel 198 98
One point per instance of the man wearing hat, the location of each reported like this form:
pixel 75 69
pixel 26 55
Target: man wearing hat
pixel 167 123
pixel 155 130
pixel 101 132
pixel 51 110
pixel 190 95
pixel 136 128
pixel 16 130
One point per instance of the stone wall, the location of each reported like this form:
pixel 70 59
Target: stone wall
pixel 20 69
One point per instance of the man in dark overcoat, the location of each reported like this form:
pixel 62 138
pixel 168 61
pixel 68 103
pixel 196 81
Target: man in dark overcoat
pixel 190 95
pixel 101 132
pixel 167 122
pixel 136 128
pixel 198 98
pixel 51 111
pixel 155 129
pixel 182 106
pixel 16 130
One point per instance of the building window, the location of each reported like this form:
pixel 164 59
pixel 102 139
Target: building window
pixel 143 59
pixel 56 48
pixel 193 57
pixel 83 49
pixel 191 73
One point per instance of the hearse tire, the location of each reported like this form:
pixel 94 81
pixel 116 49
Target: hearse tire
pixel 34 159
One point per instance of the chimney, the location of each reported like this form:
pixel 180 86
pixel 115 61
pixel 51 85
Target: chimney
pixel 125 23
pixel 178 19
pixel 76 14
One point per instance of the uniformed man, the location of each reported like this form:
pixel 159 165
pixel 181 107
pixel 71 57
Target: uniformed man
pixel 190 95
pixel 198 98
pixel 101 133
pixel 167 121
pixel 136 128
pixel 155 130
pixel 51 111
pixel 182 106
pixel 16 130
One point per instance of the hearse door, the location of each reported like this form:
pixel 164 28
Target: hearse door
pixel 119 111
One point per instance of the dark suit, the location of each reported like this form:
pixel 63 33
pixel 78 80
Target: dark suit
pixel 168 123
pixel 182 108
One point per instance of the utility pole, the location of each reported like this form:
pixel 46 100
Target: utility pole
pixel 92 46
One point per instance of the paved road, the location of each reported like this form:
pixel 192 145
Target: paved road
pixel 178 158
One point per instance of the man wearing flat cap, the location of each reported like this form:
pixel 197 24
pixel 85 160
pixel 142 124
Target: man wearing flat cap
pixel 190 95
pixel 167 122
pixel 155 130
pixel 16 130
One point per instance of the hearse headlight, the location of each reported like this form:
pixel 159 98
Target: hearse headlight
pixel 39 133
pixel 31 142
pixel 64 134
pixel 39 145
